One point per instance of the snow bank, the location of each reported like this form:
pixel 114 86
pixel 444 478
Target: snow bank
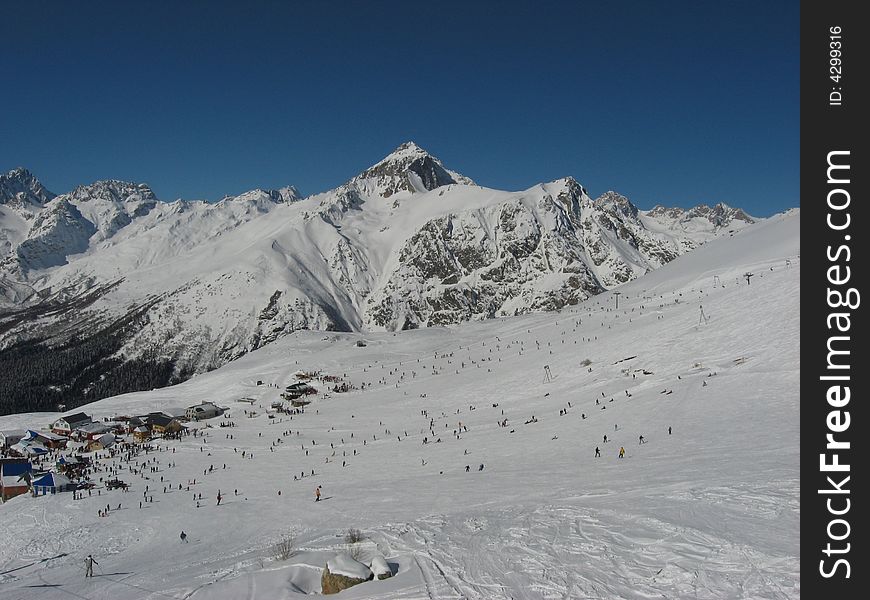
pixel 344 564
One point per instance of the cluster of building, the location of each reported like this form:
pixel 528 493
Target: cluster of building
pixel 32 460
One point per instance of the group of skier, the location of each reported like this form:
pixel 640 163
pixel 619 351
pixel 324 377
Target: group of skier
pixel 640 440
pixel 462 428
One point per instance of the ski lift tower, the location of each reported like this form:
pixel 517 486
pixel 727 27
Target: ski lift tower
pixel 716 281
pixel 703 317
pixel 748 275
pixel 548 377
pixel 617 295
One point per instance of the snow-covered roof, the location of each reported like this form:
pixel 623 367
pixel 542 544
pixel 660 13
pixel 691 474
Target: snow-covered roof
pixel 33 434
pixel 299 385
pixel 12 481
pixel 76 418
pixel 160 420
pixel 27 447
pixel 52 480
pixel 95 428
pixel 205 406
pixel 107 439
pixel 345 564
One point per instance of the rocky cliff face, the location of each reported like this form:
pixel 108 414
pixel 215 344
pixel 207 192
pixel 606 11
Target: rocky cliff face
pixel 519 255
pixel 539 250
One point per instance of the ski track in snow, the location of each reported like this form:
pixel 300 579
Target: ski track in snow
pixel 580 552
pixel 711 511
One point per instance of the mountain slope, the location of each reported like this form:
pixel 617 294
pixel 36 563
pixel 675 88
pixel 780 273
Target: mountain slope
pixel 707 507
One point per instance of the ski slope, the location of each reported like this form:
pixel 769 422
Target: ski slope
pixel 709 511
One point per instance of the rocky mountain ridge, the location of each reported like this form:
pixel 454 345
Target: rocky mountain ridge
pixel 407 243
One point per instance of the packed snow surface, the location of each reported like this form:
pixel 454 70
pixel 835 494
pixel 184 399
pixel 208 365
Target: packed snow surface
pixel 706 507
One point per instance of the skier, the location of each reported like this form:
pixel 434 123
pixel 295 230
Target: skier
pixel 183 537
pixel 669 430
pixel 317 494
pixel 89 566
pixel 481 467
pixel 605 438
pixel 219 498
pixel 621 452
pixel 467 468
pixel 597 452
pixel 640 439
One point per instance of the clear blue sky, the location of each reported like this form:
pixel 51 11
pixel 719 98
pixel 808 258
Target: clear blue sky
pixel 666 102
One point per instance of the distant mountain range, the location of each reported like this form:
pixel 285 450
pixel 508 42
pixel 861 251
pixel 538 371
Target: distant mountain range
pixel 137 292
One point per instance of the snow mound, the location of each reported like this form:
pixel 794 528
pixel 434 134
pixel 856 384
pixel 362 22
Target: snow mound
pixel 344 564
pixel 380 567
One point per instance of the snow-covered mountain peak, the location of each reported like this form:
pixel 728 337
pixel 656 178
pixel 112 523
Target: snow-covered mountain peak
pixel 284 195
pixel 289 194
pixel 404 150
pixel 19 187
pixel 113 190
pixel 567 192
pixel 615 203
pixel 672 212
pixel 719 215
pixel 408 168
pixel 18 172
pixel 566 186
pixel 109 205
